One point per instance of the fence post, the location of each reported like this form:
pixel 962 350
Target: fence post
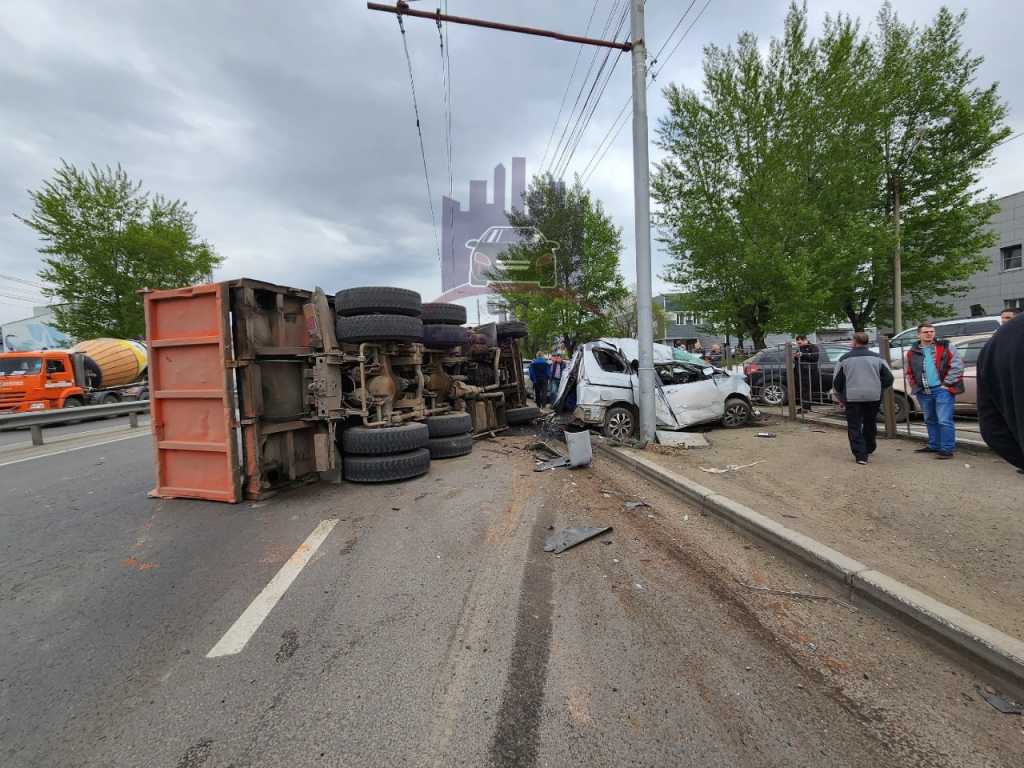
pixel 133 419
pixel 37 434
pixel 790 384
pixel 888 397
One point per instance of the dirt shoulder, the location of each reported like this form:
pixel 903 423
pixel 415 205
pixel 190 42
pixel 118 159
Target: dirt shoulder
pixel 952 529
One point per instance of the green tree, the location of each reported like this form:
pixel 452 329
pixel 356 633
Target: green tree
pixel 587 285
pixel 624 317
pixel 104 241
pixel 777 193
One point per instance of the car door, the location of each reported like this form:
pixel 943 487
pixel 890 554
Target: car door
pixel 699 401
pixel 967 401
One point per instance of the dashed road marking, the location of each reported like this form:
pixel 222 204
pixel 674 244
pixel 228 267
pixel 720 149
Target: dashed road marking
pixel 235 639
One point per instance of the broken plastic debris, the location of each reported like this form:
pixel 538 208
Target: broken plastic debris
pixel 729 467
pixel 766 434
pixel 551 464
pixel 636 504
pixel 1004 704
pixel 570 537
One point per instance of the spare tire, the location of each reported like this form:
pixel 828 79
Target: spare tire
pixel 449 314
pixel 450 447
pixel 513 329
pixel 445 335
pixel 377 441
pixel 377 300
pixel 522 415
pixel 383 469
pixel 449 424
pixel 352 330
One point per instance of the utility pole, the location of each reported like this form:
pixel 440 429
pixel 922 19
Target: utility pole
pixel 641 174
pixel 642 223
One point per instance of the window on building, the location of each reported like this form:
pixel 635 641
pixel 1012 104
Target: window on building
pixel 1013 303
pixel 1011 257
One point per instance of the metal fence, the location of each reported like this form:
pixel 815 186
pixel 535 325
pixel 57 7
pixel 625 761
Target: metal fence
pixel 36 420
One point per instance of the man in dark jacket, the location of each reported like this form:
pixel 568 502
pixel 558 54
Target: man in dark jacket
pixel 1001 392
pixel 860 378
pixel 540 372
pixel 935 374
pixel 808 373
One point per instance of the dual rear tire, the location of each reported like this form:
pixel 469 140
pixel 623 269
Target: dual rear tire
pixel 385 454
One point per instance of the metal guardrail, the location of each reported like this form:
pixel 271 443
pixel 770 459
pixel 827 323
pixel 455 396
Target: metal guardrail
pixel 36 420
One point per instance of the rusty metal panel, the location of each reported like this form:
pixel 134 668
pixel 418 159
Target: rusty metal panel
pixel 192 393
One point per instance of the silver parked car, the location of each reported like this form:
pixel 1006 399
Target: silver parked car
pixel 601 387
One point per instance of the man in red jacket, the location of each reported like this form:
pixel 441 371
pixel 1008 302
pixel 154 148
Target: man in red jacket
pixel 935 374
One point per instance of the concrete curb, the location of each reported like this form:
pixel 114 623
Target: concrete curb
pixel 979 641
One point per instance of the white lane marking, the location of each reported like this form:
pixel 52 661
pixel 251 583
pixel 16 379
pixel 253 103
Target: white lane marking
pixel 245 627
pixel 73 448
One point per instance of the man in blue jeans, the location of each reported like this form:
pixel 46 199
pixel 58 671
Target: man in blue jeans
pixel 935 373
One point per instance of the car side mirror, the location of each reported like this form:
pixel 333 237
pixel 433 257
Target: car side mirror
pixel 472 243
pixel 634 366
pixel 708 371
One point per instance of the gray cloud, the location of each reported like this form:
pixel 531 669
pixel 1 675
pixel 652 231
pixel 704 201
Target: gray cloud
pixel 289 127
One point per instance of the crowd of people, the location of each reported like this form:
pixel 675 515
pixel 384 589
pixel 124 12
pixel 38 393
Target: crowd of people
pixel 546 371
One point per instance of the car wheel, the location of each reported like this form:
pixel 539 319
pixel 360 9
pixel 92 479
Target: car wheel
pixel 360 328
pixel 901 410
pixel 384 469
pixel 619 424
pixel 737 413
pixel 449 424
pixel 773 394
pixel 523 415
pixel 378 441
pixel 377 300
pixel 449 314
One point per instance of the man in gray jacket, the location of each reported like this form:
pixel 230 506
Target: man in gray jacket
pixel 859 380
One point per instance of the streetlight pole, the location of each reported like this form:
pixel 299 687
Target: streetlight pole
pixel 642 223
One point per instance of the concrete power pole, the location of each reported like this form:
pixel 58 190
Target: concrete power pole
pixel 642 222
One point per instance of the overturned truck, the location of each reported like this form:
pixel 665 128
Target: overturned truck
pixel 255 386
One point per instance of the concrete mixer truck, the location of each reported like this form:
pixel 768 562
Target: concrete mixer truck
pixel 93 372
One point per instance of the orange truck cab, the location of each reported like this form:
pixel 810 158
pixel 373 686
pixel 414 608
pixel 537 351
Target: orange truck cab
pixel 35 381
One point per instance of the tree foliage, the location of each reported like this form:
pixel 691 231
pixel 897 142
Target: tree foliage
pixel 778 188
pixel 624 317
pixel 105 240
pixel 588 287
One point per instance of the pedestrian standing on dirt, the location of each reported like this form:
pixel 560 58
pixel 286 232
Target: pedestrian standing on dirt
pixel 1001 392
pixel 715 356
pixel 555 381
pixel 540 372
pixel 808 374
pixel 935 373
pixel 860 379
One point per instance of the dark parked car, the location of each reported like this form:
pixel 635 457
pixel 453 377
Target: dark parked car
pixel 766 373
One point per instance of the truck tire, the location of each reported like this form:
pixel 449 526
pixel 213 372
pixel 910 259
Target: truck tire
pixel 450 447
pixel 449 424
pixel 108 398
pixel 73 402
pixel 522 415
pixel 513 329
pixel 375 300
pixel 445 335
pixel 353 330
pixel 380 441
pixel 448 314
pixel 385 469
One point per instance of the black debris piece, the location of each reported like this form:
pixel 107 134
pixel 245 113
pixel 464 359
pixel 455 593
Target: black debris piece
pixel 1004 704
pixel 570 537
pixel 551 464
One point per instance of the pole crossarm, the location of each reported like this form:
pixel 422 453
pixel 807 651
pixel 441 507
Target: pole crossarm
pixel 402 9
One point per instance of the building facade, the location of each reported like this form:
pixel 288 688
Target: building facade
pixel 1001 285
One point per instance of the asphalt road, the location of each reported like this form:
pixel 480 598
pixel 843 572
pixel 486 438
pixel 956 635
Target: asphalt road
pixel 428 629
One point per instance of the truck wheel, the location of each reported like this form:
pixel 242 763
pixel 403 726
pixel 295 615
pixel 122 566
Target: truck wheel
pixel 353 330
pixel 737 413
pixel 448 314
pixel 513 329
pixel 522 415
pixel 449 424
pixel 377 300
pixel 73 402
pixel 378 441
pixel 450 447
pixel 445 335
pixel 619 424
pixel 384 469
pixel 109 398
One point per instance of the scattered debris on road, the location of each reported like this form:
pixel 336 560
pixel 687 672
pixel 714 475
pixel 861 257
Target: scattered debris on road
pixel 636 504
pixel 766 434
pixel 682 439
pixel 1004 704
pixel 570 537
pixel 793 593
pixel 551 464
pixel 730 467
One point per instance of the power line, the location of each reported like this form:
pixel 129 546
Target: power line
pixel 22 298
pixel 616 127
pixel 674 29
pixel 583 85
pixel 565 93
pixel 584 118
pixel 23 281
pixel 419 131
pixel 446 97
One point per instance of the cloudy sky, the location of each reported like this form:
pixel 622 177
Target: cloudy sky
pixel 289 126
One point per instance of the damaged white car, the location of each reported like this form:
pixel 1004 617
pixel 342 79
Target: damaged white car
pixel 600 389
